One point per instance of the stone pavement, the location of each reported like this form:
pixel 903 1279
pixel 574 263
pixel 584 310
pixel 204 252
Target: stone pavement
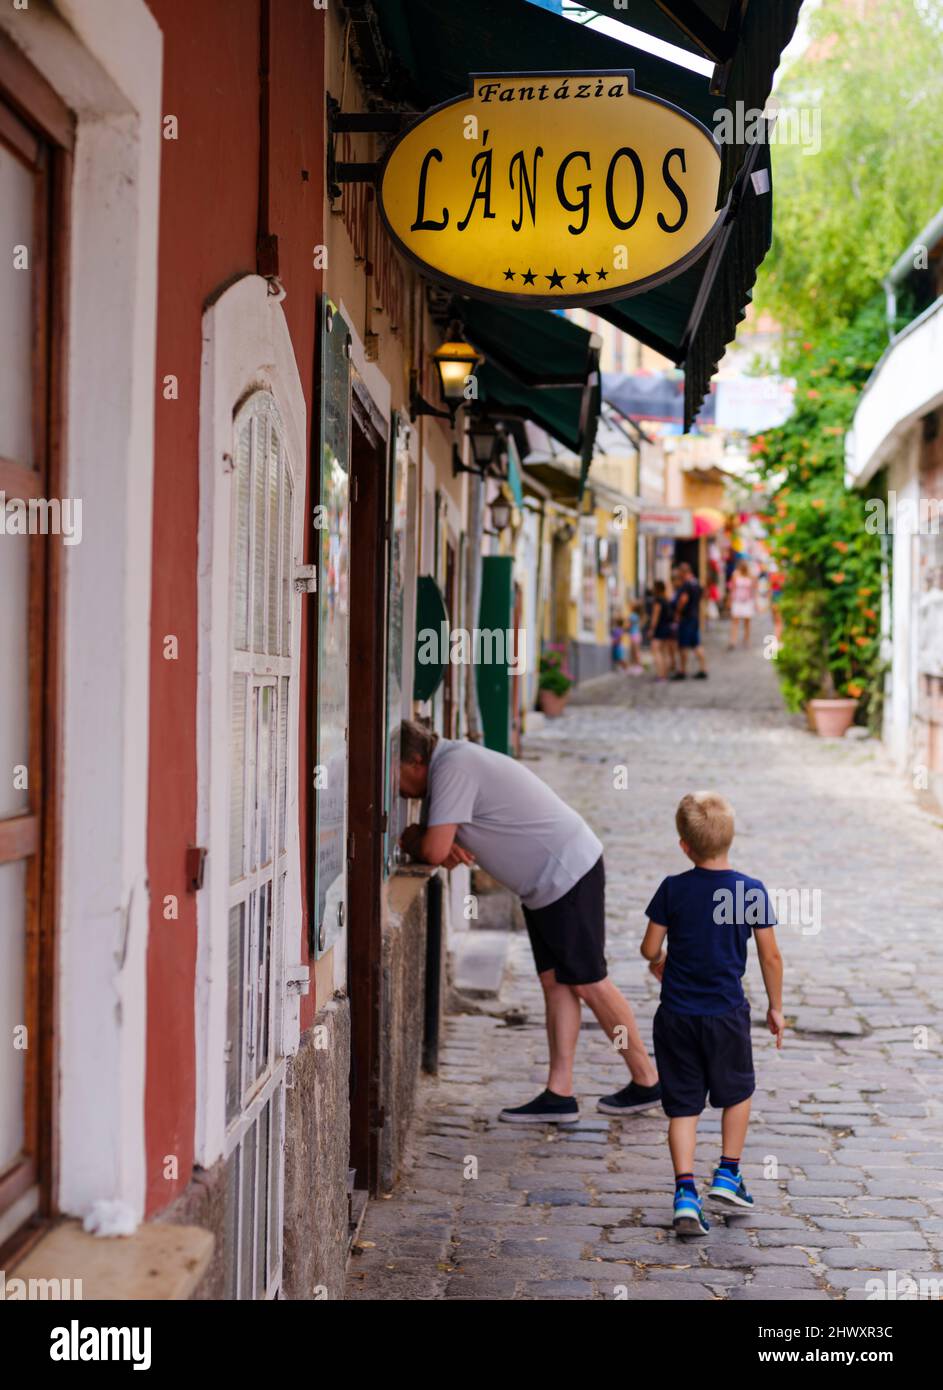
pixel 844 1155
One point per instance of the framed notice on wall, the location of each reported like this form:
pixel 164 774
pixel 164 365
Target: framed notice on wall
pixel 332 519
pixel 395 608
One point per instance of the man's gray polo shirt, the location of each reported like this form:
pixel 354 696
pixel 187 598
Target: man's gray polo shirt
pixel 519 831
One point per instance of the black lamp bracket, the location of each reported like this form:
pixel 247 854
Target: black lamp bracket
pixel 352 123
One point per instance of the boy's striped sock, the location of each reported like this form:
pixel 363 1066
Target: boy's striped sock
pixel 731 1164
pixel 685 1182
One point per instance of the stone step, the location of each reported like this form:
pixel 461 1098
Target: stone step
pixel 480 959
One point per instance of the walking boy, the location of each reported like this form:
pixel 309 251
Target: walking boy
pixel 702 1027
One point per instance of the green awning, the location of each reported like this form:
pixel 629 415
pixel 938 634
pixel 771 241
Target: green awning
pixel 537 346
pixel 746 51
pixel 434 44
pixel 693 317
pixel 569 413
pixel 418 53
pixel 538 366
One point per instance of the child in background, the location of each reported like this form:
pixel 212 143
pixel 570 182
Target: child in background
pixel 701 1030
pixel 618 636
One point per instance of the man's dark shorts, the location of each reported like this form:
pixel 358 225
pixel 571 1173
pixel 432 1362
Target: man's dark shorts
pixel 569 936
pixel 689 634
pixel 700 1055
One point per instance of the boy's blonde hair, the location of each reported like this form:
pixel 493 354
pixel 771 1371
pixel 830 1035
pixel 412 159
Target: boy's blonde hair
pixel 705 823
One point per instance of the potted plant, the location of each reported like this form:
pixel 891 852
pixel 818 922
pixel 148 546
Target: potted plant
pixel 808 669
pixel 831 715
pixel 821 537
pixel 553 686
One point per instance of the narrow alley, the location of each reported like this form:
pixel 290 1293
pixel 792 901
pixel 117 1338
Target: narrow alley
pixel 844 1154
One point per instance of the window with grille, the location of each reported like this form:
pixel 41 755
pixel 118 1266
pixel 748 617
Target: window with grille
pixel 261 596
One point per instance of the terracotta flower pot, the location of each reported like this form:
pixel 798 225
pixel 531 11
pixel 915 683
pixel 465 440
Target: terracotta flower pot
pixel 831 718
pixel 551 703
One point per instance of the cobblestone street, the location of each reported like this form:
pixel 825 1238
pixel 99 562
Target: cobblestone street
pixel 844 1156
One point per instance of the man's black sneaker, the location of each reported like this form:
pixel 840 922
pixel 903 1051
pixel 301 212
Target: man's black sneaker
pixel 630 1099
pixel 701 676
pixel 547 1109
pixel 678 676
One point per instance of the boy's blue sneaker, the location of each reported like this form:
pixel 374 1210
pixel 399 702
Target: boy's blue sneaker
pixel 689 1218
pixel 728 1189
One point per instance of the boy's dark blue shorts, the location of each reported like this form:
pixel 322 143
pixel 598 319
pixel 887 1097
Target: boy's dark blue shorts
pixel 689 633
pixel 700 1055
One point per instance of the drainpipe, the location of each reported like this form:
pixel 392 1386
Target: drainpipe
pixel 890 307
pixel 476 522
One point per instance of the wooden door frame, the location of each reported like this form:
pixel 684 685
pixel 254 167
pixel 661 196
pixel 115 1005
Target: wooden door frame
pixel 369 488
pixel 37 127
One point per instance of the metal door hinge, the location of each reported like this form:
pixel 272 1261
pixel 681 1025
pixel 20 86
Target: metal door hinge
pixel 195 868
pixel 298 979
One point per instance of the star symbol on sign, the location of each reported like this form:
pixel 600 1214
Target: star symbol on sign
pixel 581 276
pixel 509 275
pixel 556 279
pixel 528 277
pixel 602 275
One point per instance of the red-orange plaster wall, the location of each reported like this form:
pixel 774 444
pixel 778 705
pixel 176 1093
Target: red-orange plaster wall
pixel 207 237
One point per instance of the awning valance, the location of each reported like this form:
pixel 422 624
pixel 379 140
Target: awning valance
pixel 745 41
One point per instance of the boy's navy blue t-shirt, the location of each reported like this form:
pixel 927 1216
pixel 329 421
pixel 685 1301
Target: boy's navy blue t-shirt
pixel 709 914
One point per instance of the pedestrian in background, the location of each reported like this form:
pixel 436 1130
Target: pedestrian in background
pixel 661 630
pixel 742 603
pixel 688 618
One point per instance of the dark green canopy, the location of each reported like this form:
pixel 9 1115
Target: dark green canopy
pixel 537 347
pixel 418 53
pixel 745 42
pixel 569 413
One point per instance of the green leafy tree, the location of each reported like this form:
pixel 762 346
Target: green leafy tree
pixel 873 74
pixel 819 536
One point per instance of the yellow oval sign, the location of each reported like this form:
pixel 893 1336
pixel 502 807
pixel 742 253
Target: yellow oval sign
pixel 552 189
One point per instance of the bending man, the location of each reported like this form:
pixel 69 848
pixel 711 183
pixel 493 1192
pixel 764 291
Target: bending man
pixel 482 807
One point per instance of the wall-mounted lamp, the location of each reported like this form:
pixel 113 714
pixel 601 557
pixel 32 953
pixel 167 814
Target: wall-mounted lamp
pixel 483 445
pixel 500 515
pixel 455 362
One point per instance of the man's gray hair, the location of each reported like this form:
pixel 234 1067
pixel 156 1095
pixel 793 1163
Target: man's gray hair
pixel 415 741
